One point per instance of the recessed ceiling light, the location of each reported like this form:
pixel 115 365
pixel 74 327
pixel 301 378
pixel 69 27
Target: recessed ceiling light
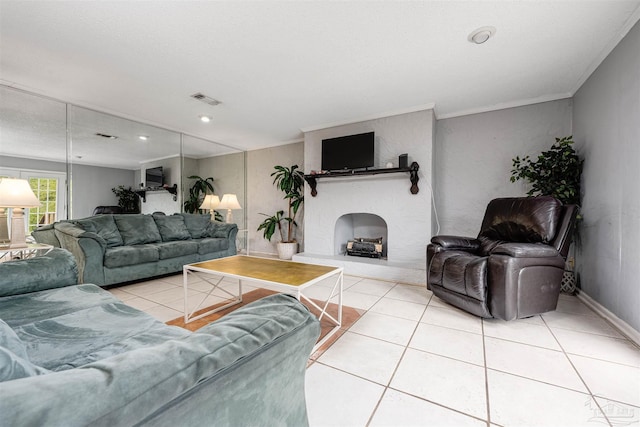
pixel 481 35
pixel 205 119
pixel 143 137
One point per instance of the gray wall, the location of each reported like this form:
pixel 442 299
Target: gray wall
pixel 607 130
pixel 91 186
pixel 473 158
pixel 263 196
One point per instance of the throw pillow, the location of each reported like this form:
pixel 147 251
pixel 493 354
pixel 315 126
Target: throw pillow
pixel 105 227
pixel 137 229
pixel 171 227
pixel 198 225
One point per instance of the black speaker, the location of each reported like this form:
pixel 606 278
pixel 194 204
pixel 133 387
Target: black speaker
pixel 403 161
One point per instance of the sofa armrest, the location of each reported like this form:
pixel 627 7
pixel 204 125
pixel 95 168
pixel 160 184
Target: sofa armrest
pixel 195 379
pixel 456 242
pixel 56 269
pixel 223 229
pixel 88 249
pixel 525 250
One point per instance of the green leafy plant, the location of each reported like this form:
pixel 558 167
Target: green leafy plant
pixel 555 173
pixel 198 189
pixel 127 199
pixel 291 182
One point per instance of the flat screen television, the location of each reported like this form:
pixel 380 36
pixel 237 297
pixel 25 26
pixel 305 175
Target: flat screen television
pixel 348 152
pixel 153 177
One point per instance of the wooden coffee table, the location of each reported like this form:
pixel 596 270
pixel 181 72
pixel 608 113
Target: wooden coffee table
pixel 283 276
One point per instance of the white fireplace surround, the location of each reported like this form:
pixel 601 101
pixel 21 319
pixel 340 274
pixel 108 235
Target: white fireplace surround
pixel 407 216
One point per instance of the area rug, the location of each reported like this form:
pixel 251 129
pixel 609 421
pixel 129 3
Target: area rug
pixel 349 316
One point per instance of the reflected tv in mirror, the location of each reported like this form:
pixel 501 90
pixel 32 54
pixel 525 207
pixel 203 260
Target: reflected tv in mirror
pixel 348 152
pixel 153 177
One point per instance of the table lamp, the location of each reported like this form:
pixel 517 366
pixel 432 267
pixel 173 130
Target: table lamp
pixel 229 201
pixel 210 202
pixel 17 194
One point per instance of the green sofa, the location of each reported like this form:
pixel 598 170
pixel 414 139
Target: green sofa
pixel 73 355
pixel 117 248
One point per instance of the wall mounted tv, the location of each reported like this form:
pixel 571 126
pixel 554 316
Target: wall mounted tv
pixel 153 177
pixel 348 152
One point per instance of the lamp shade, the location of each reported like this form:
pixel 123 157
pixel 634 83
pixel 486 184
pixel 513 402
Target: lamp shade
pixel 229 201
pixel 16 193
pixel 210 202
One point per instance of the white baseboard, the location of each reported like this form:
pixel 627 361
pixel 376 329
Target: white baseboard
pixel 623 327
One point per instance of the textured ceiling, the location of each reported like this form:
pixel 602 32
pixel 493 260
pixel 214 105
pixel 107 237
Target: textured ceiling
pixel 282 66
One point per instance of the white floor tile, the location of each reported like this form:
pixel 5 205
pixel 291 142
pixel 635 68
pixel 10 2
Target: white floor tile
pixel 365 357
pixel 541 364
pixel 149 287
pixel 386 328
pixel 581 323
pixel 460 345
pixel 335 398
pixel 519 331
pixel 321 293
pixel 357 300
pixel 599 347
pixel 175 279
pixel 400 409
pixel 610 380
pixel 571 304
pixel 410 293
pixel 194 300
pixel 372 287
pixel 451 317
pixel 447 382
pixel 170 295
pixel 402 309
pixel 516 401
pixel 121 294
pixel 140 303
pixel 619 414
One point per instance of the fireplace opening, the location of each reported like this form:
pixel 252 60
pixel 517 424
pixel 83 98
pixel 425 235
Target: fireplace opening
pixel 361 234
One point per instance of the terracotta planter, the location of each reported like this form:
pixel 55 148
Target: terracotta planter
pixel 287 250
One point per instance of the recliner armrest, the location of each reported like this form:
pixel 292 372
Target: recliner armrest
pixel 456 242
pixel 525 250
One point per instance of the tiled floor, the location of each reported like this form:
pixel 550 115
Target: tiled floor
pixel 413 360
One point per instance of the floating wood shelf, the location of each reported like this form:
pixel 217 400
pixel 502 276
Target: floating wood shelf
pixel 143 193
pixel 412 170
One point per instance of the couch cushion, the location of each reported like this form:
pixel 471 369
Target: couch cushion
pixel 104 226
pixel 198 225
pixel 212 244
pixel 14 361
pixel 130 255
pixel 137 229
pixel 522 219
pixel 219 229
pixel 176 249
pixel 171 227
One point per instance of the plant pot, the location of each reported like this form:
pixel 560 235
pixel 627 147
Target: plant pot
pixel 287 250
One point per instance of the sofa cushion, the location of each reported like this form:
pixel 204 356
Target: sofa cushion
pixel 176 249
pixel 14 361
pixel 198 225
pixel 130 255
pixel 219 229
pixel 104 226
pixel 212 244
pixel 171 227
pixel 137 229
pixel 522 219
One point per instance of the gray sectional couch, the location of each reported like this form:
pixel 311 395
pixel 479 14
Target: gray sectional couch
pixel 73 355
pixel 116 248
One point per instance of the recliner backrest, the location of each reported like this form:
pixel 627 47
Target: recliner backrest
pixel 522 219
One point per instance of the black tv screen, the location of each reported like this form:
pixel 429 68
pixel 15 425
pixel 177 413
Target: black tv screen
pixel 153 177
pixel 348 152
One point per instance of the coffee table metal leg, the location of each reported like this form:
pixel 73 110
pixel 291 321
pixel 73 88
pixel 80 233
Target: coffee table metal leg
pixel 188 317
pixel 323 310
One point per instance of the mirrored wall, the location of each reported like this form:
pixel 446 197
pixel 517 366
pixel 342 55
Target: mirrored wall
pixel 80 156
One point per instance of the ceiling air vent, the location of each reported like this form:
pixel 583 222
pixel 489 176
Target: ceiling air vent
pixel 104 135
pixel 206 99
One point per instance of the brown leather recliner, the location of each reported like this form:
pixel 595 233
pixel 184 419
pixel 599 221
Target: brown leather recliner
pixel 514 268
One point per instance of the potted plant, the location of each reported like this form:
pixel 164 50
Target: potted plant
pixel 199 187
pixel 291 182
pixel 556 173
pixel 127 199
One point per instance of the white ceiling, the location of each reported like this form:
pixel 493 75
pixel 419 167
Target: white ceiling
pixel 282 66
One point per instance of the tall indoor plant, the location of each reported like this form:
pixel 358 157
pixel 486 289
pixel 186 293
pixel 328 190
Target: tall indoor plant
pixel 127 199
pixel 556 173
pixel 291 182
pixel 199 188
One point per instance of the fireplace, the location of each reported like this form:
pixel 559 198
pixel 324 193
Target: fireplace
pixel 365 247
pixel 359 225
